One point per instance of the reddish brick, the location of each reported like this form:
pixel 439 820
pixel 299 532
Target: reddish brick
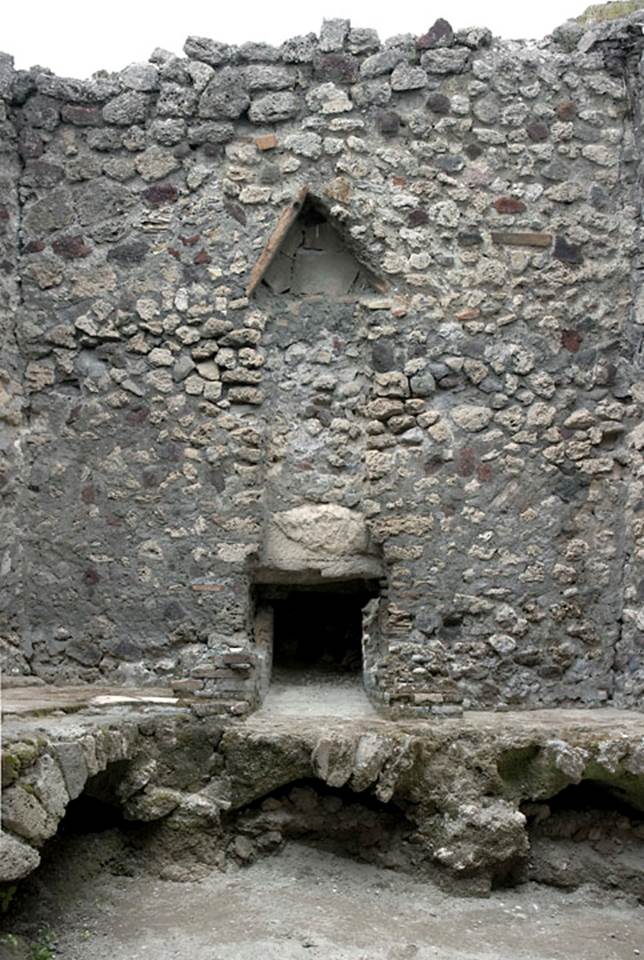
pixel 509 205
pixel 160 193
pixel 567 110
pixel 71 248
pixel 571 340
pixel 470 313
pixel 267 141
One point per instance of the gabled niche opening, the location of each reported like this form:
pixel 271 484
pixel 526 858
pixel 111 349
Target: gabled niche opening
pixel 307 255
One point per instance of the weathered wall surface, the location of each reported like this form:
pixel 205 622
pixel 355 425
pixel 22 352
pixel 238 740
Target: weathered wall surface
pixel 481 414
pixel 10 382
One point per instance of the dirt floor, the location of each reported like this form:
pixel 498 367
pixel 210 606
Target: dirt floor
pixel 308 903
pixel 299 694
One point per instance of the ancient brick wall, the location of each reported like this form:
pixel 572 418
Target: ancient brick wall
pixel 472 392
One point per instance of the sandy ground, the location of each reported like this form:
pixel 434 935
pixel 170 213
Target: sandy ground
pixel 314 696
pixel 306 903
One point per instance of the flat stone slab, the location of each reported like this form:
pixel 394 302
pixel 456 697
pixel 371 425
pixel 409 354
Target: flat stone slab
pixel 24 699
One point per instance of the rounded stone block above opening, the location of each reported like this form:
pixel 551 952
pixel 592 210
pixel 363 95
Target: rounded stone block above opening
pixel 318 540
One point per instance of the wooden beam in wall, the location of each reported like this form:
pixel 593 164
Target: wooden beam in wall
pixel 286 220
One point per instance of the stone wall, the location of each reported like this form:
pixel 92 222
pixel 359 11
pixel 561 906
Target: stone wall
pixel 472 394
pixel 11 367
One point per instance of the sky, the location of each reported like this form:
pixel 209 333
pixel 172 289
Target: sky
pixel 77 37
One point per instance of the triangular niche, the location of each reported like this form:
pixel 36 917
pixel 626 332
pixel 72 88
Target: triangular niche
pixel 307 256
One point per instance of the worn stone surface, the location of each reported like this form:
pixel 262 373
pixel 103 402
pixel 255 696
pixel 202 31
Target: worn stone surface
pixel 154 418
pixel 468 795
pixel 18 858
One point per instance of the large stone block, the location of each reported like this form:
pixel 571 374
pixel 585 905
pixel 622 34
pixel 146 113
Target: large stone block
pixel 327 538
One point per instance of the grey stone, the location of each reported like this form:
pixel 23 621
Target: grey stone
pixel 210 132
pixel 22 813
pixel 422 385
pixel 43 112
pixel 47 783
pixel 141 76
pixel 258 53
pixel 406 77
pixel 361 41
pixel 225 97
pixel 445 60
pixel 6 74
pixel 17 858
pixel 176 101
pixel 474 37
pixel 128 108
pixel 260 77
pixel 328 98
pixel 99 88
pixel 201 48
pixel 53 212
pixel 299 49
pixel 274 107
pixel 74 767
pixel 168 131
pixel 100 199
pixel 182 368
pixel 381 63
pixel 333 34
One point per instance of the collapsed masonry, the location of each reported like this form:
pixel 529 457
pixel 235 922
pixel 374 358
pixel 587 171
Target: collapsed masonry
pixel 334 313
pixel 470 805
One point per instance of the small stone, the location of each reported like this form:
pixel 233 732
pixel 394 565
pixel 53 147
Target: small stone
pixel 538 132
pixel 407 77
pixel 194 385
pixel 567 252
pixel 161 357
pixel 263 77
pixel 140 76
pixel 380 63
pixel 439 35
pixel 160 194
pixel 471 417
pixel 225 97
pixel 182 368
pixel 208 370
pixel 571 340
pixel 487 109
pixel 327 99
pixel 155 163
pixel 438 103
pixel 363 40
pixel 509 205
pixel 248 395
pixel 388 123
pixel 333 34
pixel 445 61
pixel 299 49
pixel 567 110
pixel 71 248
pixel 17 858
pixel 337 68
pixel 128 108
pixel 209 51
pixel 304 144
pixel 274 107
pixel 244 848
pixel 502 643
pixel 422 385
